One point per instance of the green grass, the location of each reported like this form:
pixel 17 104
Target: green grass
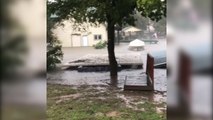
pixel 59 90
pixel 95 105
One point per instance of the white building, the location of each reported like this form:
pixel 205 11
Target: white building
pixel 72 35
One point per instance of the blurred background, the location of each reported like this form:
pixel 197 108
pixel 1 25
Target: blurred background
pixel 23 59
pixel 189 36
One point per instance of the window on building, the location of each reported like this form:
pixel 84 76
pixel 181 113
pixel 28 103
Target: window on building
pixel 97 37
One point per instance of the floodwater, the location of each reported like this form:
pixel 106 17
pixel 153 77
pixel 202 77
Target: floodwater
pixel 102 81
pixel 69 77
pixel 74 53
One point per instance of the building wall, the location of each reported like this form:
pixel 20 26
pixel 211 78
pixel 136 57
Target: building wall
pixel 63 34
pixel 70 36
pixel 99 30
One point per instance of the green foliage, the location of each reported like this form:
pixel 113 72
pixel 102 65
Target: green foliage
pixel 54 51
pixel 100 11
pixel 58 90
pixel 100 45
pixel 153 9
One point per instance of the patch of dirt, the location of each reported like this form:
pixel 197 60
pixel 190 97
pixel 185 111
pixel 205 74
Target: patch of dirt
pixel 99 114
pixel 130 103
pixel 67 97
pixel 112 114
pixel 160 110
pixel 127 101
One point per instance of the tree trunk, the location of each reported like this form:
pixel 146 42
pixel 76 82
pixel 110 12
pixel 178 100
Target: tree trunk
pixel 111 54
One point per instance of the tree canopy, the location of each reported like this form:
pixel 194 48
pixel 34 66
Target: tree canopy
pixel 99 11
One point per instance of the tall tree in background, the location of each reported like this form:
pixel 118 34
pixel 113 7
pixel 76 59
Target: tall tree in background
pixel 160 27
pixel 111 12
pixel 141 21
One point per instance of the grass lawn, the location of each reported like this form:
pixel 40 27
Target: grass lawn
pixel 100 103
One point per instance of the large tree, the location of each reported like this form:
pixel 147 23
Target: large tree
pixel 111 12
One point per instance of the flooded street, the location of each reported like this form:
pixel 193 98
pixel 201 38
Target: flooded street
pixel 68 77
pixel 74 53
pixel 97 87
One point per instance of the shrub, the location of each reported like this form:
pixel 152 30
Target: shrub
pixel 100 45
pixel 54 47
